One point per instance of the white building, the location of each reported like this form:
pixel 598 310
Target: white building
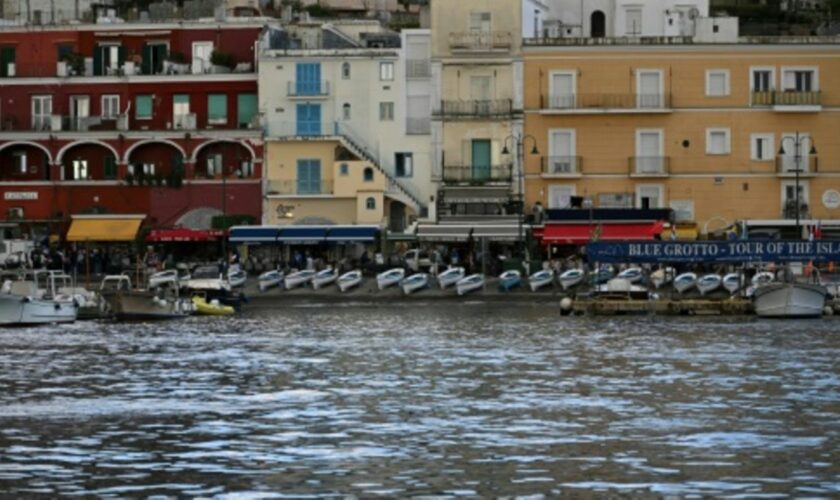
pixel 49 11
pixel 619 18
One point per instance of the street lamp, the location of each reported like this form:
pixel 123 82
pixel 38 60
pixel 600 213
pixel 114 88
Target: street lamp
pixel 798 141
pixel 518 141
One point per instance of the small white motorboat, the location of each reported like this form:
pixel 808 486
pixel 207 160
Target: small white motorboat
pixel 709 283
pixel 571 278
pixel 162 278
pixel 509 280
pixel 763 278
pixel 789 300
pixel 450 276
pixel 414 282
pixel 685 282
pixel 603 275
pixel 540 279
pixel 299 278
pixel 632 274
pixel 390 277
pixel 237 277
pixel 662 276
pixel 621 288
pixel 732 282
pixel 349 280
pixel 271 279
pixel 324 278
pixel 20 306
pixel 469 284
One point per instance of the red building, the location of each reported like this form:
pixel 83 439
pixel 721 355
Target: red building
pixel 155 119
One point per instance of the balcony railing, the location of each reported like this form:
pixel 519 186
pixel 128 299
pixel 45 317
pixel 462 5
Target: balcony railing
pixel 62 69
pixel 498 108
pixel 785 98
pixel 786 165
pixel 308 89
pixel 418 68
pixel 299 188
pixel 418 126
pixel 473 174
pixel 607 101
pixel 649 165
pixel 481 40
pixel 561 165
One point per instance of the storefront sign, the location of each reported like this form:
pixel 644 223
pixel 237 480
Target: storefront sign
pixel 722 252
pixel 20 195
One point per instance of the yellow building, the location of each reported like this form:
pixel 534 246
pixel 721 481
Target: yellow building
pixel 693 127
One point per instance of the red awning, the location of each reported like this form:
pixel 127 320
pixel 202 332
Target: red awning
pixel 579 234
pixel 183 235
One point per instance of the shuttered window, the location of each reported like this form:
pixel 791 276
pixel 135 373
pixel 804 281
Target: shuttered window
pixel 246 109
pixel 217 108
pixel 143 105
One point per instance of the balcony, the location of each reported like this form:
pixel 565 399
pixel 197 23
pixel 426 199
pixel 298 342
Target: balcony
pixel 470 174
pixel 561 166
pixel 418 126
pixel 291 189
pixel 476 110
pixel 606 103
pixel 308 89
pixel 480 41
pixel 787 100
pixel 786 166
pixel 649 166
pixel 418 68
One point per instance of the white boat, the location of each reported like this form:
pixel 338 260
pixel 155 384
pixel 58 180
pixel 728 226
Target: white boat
pixel 571 278
pixel 709 283
pixel 161 303
pixel 324 278
pixel 349 280
pixel 789 300
pixel 662 277
pixel 20 306
pixel 390 278
pixel 603 275
pixel 469 284
pixel 540 279
pixel 621 288
pixel 270 279
pixel 762 278
pixel 631 274
pixel 509 280
pixel 162 277
pixel 59 286
pixel 299 278
pixel 732 282
pixel 207 279
pixel 237 277
pixel 450 276
pixel 414 282
pixel 685 282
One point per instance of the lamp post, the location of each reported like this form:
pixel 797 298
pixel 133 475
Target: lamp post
pixel 518 141
pixel 798 142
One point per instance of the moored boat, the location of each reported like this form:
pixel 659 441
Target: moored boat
pixel 390 278
pixel 632 274
pixel 203 307
pixel 450 277
pixel 509 280
pixel 237 277
pixel 324 278
pixel 603 275
pixel 541 279
pixel 20 306
pixel 709 283
pixel 789 300
pixel 349 280
pixel 299 278
pixel 762 278
pixel 161 303
pixel 662 276
pixel 414 282
pixel 732 282
pixel 685 282
pixel 469 284
pixel 571 278
pixel 621 289
pixel 270 279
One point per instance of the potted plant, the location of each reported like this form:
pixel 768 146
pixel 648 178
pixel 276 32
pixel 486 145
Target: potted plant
pixel 222 62
pixel 75 63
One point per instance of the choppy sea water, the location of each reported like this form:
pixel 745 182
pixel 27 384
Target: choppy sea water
pixel 421 400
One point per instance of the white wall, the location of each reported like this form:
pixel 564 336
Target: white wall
pixel 654 17
pixel 534 12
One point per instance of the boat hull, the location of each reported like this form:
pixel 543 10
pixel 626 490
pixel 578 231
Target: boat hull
pixel 411 285
pixel 570 280
pixel 789 300
pixel 17 310
pixel 142 306
pixel 348 281
pixel 469 284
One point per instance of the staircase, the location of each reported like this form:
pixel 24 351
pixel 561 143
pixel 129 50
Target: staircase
pixel 394 189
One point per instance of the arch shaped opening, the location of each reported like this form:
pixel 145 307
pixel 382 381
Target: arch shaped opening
pixel 227 159
pixel 88 161
pixel 24 162
pixel 367 174
pixel 155 160
pixel 370 203
pixel 598 24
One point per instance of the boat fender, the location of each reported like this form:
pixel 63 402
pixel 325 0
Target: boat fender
pixel 565 306
pixel 828 311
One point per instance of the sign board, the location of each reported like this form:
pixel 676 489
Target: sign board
pixel 20 195
pixel 717 252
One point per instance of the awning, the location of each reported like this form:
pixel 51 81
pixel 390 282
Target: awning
pixel 457 233
pixel 183 235
pixel 104 228
pixel 254 234
pixel 578 234
pixel 302 235
pixel 352 234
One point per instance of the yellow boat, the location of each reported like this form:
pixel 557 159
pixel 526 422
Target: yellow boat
pixel 204 308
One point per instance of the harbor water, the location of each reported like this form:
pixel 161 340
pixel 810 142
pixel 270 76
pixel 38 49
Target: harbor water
pixel 421 399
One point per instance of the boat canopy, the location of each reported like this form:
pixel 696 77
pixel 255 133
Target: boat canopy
pixel 582 233
pixel 104 228
pixel 463 232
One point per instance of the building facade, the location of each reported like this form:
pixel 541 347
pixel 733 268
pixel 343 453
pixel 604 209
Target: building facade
pixel 154 119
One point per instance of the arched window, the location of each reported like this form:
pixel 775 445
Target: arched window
pixel 368 175
pixel 598 24
pixel 345 71
pixel 346 111
pixel 370 203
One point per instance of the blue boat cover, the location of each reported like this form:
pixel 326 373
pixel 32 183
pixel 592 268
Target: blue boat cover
pixel 254 234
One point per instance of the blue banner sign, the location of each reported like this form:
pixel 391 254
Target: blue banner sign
pixel 655 252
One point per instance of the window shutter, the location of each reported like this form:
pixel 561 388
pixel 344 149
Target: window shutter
pixel 246 109
pixel 144 106
pixel 98 61
pixel 146 65
pixel 217 108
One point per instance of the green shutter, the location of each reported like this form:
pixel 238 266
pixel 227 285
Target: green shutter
pixel 110 167
pixel 7 56
pixel 146 64
pixel 217 108
pixel 143 103
pixel 181 99
pixel 98 61
pixel 246 107
pixel 120 56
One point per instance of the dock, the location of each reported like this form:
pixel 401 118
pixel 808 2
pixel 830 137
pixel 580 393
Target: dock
pixel 691 307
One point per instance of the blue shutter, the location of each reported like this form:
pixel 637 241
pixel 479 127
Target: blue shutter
pixel 308 119
pixel 309 176
pixel 308 78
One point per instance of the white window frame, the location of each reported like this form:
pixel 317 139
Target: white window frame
pixel 635 7
pixel 806 191
pixel 44 119
pixel 387 105
pixel 386 75
pixel 552 92
pixel 553 187
pixel 661 89
pixel 204 66
pixel 727 135
pixel 790 154
pixel 814 69
pixel 771 69
pixel 661 194
pixel 660 131
pixel 770 138
pixel 571 131
pixel 115 112
pixel 726 85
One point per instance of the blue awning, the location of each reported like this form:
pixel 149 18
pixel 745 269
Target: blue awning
pixel 254 234
pixel 352 234
pixel 303 235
